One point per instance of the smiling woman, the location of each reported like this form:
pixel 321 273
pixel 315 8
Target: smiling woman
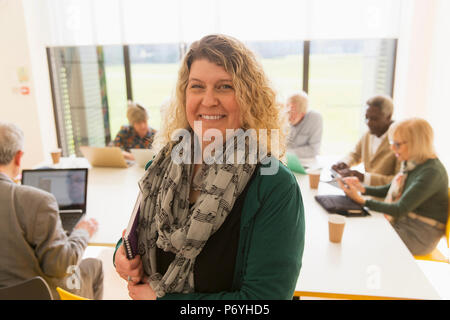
pixel 245 80
pixel 210 98
pixel 217 230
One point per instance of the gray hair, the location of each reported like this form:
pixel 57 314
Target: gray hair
pixel 300 100
pixel 383 102
pixel 11 141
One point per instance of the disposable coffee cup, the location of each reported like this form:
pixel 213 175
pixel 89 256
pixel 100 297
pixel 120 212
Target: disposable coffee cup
pixel 314 178
pixel 56 155
pixel 336 224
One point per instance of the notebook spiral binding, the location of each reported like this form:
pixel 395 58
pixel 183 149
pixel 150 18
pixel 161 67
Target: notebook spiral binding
pixel 128 250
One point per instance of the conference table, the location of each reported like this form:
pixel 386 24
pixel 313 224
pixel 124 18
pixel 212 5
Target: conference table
pixel 370 262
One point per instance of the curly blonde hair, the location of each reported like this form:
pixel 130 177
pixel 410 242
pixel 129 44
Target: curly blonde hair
pixel 254 94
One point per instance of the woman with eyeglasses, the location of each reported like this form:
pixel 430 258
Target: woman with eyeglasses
pixel 416 201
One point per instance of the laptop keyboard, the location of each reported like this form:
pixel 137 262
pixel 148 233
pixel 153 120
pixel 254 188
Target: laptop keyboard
pixel 69 220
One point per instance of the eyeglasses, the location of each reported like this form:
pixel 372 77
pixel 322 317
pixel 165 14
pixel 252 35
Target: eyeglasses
pixel 397 144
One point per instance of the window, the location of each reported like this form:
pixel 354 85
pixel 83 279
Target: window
pixel 91 84
pixel 154 70
pixel 343 75
pixel 79 96
pixel 115 87
pixel 283 64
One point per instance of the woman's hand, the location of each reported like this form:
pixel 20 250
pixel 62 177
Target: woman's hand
pixel 130 270
pixel 355 182
pixel 141 291
pixel 351 189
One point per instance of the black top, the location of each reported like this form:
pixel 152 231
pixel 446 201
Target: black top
pixel 214 266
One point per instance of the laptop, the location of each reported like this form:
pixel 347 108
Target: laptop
pixel 143 156
pixel 105 157
pixel 69 186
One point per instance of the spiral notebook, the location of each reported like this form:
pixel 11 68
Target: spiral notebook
pixel 130 239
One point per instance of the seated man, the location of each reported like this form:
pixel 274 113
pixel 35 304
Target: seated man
pixel 380 163
pixel 32 237
pixel 306 127
pixel 136 135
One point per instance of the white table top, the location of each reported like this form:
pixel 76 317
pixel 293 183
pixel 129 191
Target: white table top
pixel 112 193
pixel 371 260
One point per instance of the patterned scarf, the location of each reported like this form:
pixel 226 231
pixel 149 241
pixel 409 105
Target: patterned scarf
pixel 398 183
pixel 166 221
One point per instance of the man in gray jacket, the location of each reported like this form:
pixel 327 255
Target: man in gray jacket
pixel 33 242
pixel 306 126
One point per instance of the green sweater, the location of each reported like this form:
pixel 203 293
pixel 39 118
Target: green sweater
pixel 271 241
pixel 425 193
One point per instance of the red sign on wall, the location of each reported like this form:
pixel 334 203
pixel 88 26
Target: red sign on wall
pixel 24 90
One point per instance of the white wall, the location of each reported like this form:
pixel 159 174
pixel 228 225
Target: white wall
pixel 21 47
pixel 438 102
pixel 422 80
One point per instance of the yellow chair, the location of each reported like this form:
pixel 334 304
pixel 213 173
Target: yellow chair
pixel 66 295
pixel 436 255
pixel 341 296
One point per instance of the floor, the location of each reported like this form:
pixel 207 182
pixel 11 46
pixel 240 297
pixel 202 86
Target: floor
pixel 438 273
pixel 115 288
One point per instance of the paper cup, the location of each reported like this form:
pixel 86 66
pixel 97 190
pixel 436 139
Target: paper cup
pixel 56 155
pixel 336 224
pixel 314 178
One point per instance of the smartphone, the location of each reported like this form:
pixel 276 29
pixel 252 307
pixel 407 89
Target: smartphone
pixel 337 176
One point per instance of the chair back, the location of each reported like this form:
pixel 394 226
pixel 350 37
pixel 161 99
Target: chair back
pixel 66 295
pixel 32 289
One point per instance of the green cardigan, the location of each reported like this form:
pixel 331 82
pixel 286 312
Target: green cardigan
pixel 271 241
pixel 425 193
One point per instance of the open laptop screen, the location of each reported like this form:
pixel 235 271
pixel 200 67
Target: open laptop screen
pixel 69 186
